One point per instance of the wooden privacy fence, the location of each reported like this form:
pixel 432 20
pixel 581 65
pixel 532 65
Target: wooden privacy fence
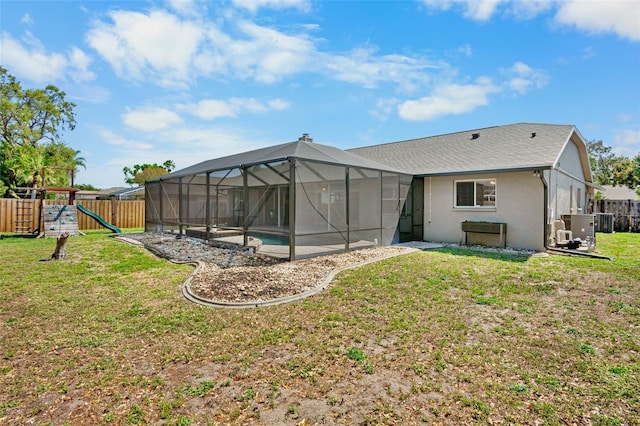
pixel 121 213
pixel 626 213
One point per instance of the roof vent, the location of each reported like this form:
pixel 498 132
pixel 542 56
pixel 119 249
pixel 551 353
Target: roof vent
pixel 305 138
pixel 475 135
pixel 533 135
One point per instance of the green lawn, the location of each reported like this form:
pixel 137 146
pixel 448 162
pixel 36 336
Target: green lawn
pixel 447 337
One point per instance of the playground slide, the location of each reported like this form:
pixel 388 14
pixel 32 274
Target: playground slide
pixel 99 219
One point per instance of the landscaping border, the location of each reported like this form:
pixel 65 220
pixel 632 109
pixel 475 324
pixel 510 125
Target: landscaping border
pixel 193 297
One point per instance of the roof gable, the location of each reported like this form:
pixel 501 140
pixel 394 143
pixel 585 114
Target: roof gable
pixel 519 146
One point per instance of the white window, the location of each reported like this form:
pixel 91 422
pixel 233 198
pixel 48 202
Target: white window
pixel 476 193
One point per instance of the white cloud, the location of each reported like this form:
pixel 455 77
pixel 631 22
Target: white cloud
pixel 621 17
pixel 26 19
pixel 279 104
pixel 254 5
pixel 150 119
pixel 448 99
pixel 267 54
pixel 522 78
pixel 173 51
pixel 477 10
pixel 361 66
pixel 116 140
pixel 92 94
pixel 206 142
pixel 456 99
pixel 184 7
pixel 29 59
pixel 627 143
pixel 440 4
pixel 482 10
pixel 157 46
pixel 169 51
pixel 79 68
pixel 530 8
pixel 210 109
pixel 466 50
pixel 384 108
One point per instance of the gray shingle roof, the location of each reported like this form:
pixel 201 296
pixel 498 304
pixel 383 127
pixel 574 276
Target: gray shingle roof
pixel 299 149
pixel 611 192
pixel 499 148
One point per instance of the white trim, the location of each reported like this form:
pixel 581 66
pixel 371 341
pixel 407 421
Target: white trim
pixel 574 177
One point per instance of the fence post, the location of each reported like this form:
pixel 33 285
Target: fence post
pixel 114 212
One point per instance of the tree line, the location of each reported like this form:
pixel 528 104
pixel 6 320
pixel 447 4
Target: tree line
pixel 33 153
pixel 32 125
pixel 611 169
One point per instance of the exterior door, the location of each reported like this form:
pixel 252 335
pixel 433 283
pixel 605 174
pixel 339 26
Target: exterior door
pixel 411 224
pixel 417 213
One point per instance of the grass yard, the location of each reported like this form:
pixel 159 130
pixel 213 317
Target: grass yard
pixel 440 337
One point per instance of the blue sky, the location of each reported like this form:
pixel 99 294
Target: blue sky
pixel 189 81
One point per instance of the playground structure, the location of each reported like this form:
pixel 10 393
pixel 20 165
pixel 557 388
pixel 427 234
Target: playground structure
pixel 55 219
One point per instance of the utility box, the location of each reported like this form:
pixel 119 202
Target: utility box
pixel 581 226
pixel 604 222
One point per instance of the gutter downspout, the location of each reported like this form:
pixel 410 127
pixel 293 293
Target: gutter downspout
pixel 546 209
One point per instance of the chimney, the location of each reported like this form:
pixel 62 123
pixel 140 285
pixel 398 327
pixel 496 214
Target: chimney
pixel 305 138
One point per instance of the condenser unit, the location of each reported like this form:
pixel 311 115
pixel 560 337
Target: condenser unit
pixel 604 222
pixel 581 226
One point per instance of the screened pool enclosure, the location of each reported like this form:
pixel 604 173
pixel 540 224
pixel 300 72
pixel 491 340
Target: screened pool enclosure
pixel 294 200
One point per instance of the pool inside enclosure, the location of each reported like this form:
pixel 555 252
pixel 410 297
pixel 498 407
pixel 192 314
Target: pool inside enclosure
pixel 305 198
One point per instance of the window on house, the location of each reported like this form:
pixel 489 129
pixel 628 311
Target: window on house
pixel 475 193
pixel 579 199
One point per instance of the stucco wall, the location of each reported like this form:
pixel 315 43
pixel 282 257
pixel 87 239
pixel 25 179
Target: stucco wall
pixel 519 203
pixel 570 160
pixel 567 195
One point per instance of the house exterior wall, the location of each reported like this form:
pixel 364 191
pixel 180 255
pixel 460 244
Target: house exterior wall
pixel 570 160
pixel 519 204
pixel 568 193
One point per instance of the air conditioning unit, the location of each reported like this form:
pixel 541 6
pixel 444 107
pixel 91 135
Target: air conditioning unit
pixel 580 225
pixel 604 222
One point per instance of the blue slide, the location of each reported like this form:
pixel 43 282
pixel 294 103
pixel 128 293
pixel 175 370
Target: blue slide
pixel 99 219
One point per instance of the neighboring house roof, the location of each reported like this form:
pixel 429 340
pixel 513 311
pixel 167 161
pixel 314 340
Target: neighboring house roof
pixel 131 192
pixel 611 192
pixel 101 193
pixel 521 146
pixel 116 191
pixel 302 149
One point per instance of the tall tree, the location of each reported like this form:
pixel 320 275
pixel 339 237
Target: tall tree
pixel 60 162
pixel 32 123
pixel 140 173
pixel 626 172
pixel 602 161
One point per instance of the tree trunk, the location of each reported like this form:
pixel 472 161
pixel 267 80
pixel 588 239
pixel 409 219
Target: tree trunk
pixel 61 246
